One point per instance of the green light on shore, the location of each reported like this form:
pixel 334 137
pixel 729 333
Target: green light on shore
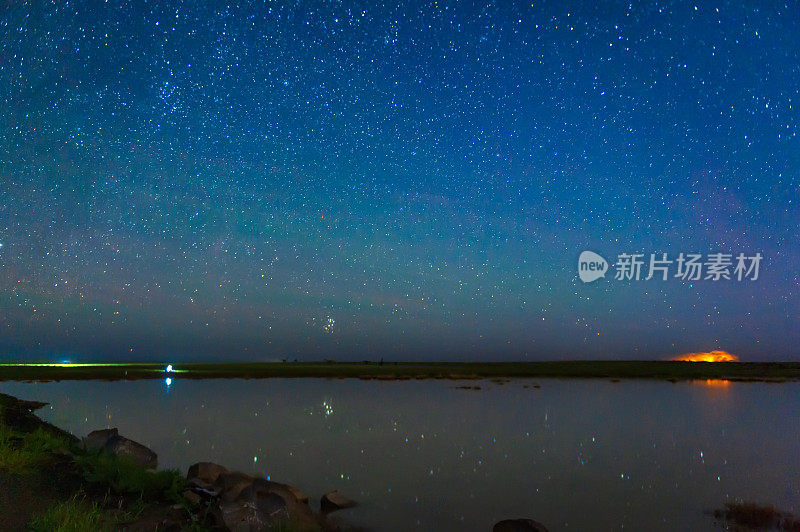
pixel 61 365
pixel 136 366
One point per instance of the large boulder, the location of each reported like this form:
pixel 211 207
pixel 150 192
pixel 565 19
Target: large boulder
pixel 110 441
pixel 300 495
pixel 97 439
pixel 121 446
pixel 230 485
pixel 240 502
pixel 519 525
pixel 252 515
pixel 296 501
pixel 333 500
pixel 205 474
pixel 248 504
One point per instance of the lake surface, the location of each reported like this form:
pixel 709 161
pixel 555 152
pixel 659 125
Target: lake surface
pixel 573 454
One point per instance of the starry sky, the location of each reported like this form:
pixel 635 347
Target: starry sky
pixel 411 181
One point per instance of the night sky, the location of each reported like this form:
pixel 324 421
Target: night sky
pixel 196 181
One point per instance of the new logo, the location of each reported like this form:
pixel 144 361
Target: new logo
pixel 591 266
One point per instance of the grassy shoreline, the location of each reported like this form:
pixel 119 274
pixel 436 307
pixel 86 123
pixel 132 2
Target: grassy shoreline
pixel 50 482
pixel 579 369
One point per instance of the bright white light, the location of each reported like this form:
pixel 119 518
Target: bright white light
pixel 168 381
pixel 169 368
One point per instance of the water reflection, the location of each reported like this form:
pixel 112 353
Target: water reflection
pixel 583 455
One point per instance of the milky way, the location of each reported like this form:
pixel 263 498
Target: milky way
pixel 190 180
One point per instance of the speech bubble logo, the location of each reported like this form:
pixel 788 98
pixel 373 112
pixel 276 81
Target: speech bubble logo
pixel 591 266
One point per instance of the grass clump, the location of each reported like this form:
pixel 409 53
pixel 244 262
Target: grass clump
pixel 73 515
pixel 124 476
pixel 21 451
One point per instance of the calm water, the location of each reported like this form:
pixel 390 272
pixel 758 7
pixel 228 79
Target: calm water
pixel 579 455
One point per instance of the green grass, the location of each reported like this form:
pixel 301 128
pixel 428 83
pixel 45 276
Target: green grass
pixel 60 486
pixel 620 369
pixel 21 451
pixel 79 513
pixel 76 514
pixel 123 476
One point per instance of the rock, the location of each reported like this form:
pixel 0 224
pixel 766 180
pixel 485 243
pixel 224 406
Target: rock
pixel 298 494
pixel 110 441
pixel 230 485
pixel 203 491
pixel 192 497
pixel 273 507
pixel 519 525
pixel 249 504
pixel 333 500
pixel 97 439
pixel 205 474
pixel 262 505
pixel 296 501
pixel 121 446
pixel 261 513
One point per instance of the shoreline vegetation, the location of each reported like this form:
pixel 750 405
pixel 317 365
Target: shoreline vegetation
pixel 579 369
pixel 50 480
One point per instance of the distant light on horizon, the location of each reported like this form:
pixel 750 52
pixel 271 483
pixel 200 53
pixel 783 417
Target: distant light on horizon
pixel 62 364
pixel 711 356
pixel 717 383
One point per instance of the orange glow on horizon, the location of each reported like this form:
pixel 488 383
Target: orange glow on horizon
pixel 716 383
pixel 712 356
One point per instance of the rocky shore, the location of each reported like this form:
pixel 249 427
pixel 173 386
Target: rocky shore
pixel 50 479
pixel 232 500
pixel 108 472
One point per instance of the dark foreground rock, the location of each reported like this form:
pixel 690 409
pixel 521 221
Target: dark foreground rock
pixel 97 439
pixel 229 485
pixel 110 441
pixel 240 502
pixel 519 525
pixel 205 474
pixel 333 500
pixel 264 504
pixel 748 515
pixel 120 446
